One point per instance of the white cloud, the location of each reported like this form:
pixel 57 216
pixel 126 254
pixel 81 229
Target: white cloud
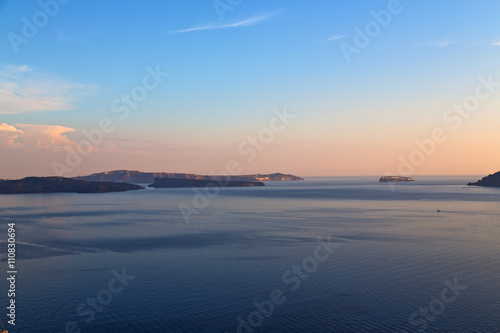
pixel 63 37
pixel 12 69
pixel 482 43
pixel 439 45
pixel 331 39
pixel 24 90
pixel 212 26
pixel 446 43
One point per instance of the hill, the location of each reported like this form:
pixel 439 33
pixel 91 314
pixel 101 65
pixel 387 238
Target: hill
pixel 60 184
pixel 177 182
pixel 488 181
pixel 138 177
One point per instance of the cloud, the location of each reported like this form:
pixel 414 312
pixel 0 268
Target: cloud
pixel 7 128
pixel 44 136
pixel 34 137
pixel 8 135
pixel 134 145
pixel 12 69
pixel 213 26
pixel 482 43
pixel 439 45
pixel 63 37
pixel 446 43
pixel 331 39
pixel 24 90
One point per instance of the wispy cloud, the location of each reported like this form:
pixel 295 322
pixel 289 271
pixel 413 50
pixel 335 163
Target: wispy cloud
pixel 482 43
pixel 446 43
pixel 213 26
pixel 331 39
pixel 63 37
pixel 22 89
pixel 439 44
pixel 13 69
pixel 128 144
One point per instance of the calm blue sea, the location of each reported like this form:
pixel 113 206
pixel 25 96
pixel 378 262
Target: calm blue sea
pixel 251 260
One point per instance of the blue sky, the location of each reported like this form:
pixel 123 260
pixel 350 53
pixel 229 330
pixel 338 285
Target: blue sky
pixel 227 73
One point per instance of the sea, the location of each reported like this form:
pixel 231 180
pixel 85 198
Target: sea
pixel 337 254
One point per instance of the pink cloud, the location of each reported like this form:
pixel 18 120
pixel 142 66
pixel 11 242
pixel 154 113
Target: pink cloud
pixel 8 135
pixel 25 136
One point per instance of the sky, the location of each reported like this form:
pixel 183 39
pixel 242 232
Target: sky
pixel 312 88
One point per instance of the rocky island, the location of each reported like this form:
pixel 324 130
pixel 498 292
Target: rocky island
pixel 138 177
pixel 397 179
pixel 61 184
pixel 179 182
pixel 488 181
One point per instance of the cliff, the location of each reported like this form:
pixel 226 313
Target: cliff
pixel 137 177
pixel 60 184
pixel 488 181
pixel 177 182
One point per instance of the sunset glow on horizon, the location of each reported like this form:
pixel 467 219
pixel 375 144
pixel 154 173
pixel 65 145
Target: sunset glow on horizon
pixel 274 86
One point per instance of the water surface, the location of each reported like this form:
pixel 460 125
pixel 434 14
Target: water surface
pixel 394 253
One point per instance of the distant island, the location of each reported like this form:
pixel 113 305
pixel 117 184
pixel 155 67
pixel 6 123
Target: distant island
pixel 138 177
pixel 126 180
pixel 397 179
pixel 178 182
pixel 60 184
pixel 488 181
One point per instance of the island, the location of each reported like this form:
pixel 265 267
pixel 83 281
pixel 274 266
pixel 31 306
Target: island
pixel 138 177
pixel 61 184
pixel 395 179
pixel 488 181
pixel 178 182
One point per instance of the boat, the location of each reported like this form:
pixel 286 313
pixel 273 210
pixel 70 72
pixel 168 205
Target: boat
pixel 397 179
